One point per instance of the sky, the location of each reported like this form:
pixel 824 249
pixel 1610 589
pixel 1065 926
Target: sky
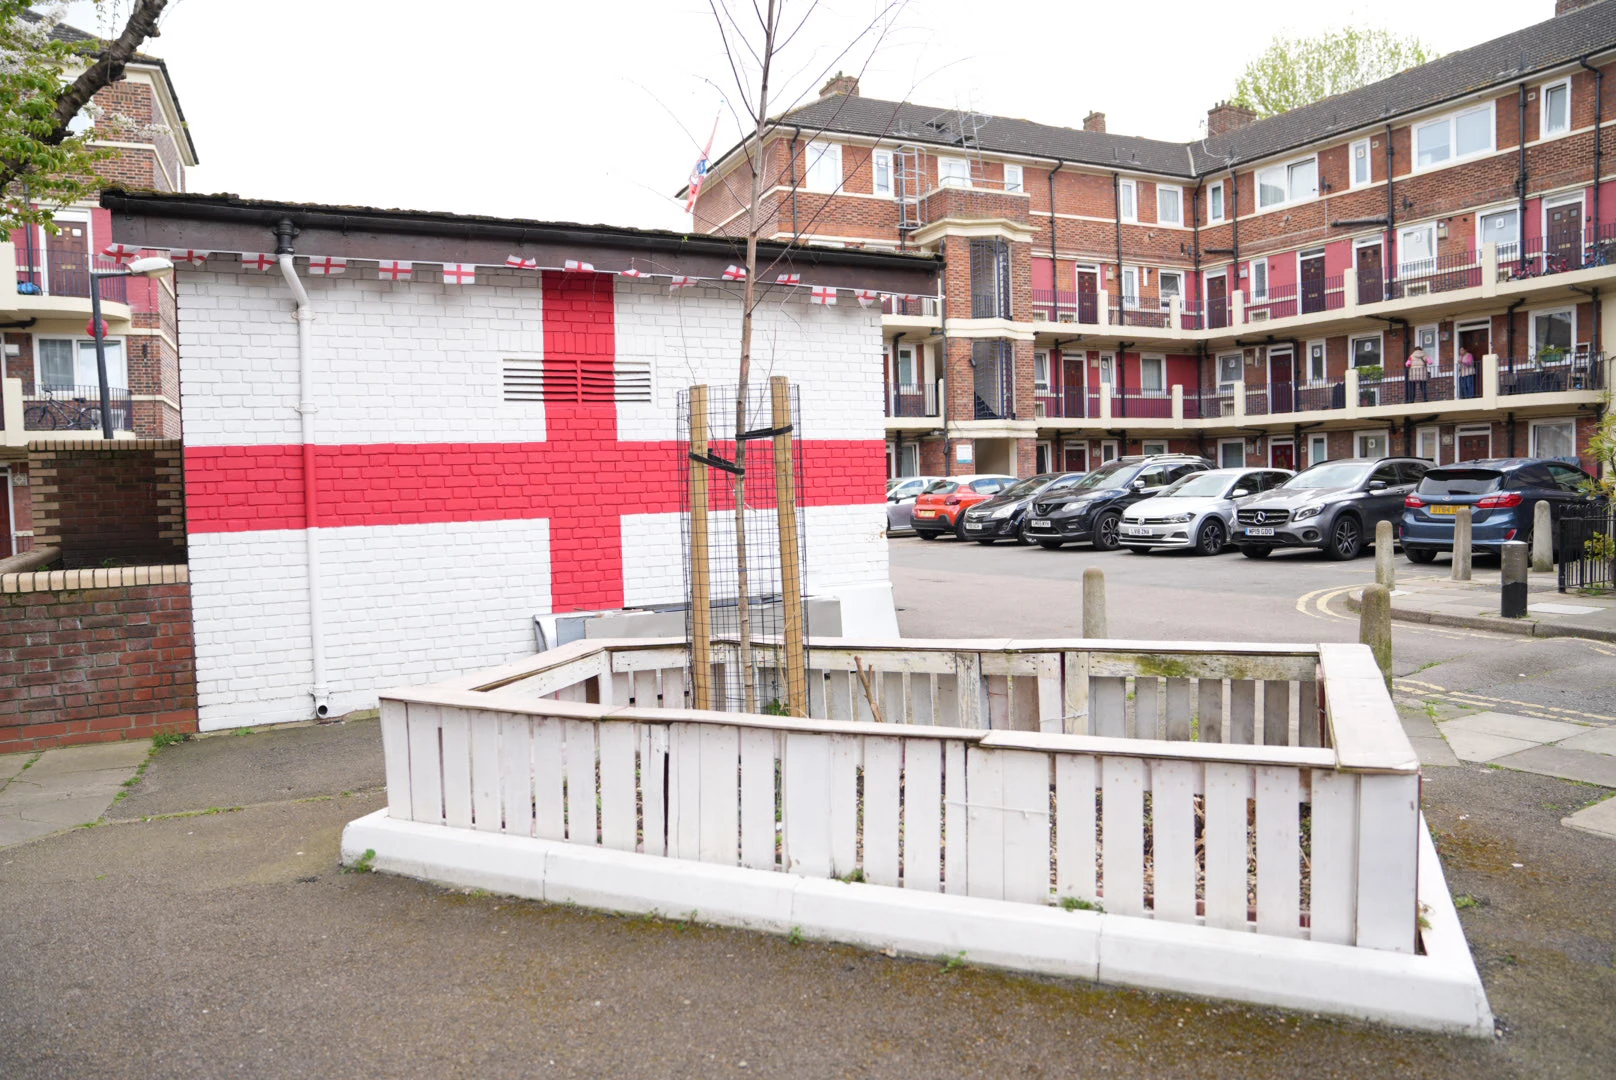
pixel 595 112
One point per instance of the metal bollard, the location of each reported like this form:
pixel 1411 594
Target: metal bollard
pixel 1094 602
pixel 1385 568
pixel 1375 627
pixel 1512 602
pixel 1461 543
pixel 1543 538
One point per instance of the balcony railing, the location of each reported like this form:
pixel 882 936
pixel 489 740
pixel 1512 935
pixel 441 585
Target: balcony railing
pixel 1445 273
pixel 1067 403
pixel 1558 252
pixel 1143 404
pixel 912 306
pixel 1319 395
pixel 72 281
pixel 1550 372
pixel 912 399
pixel 75 408
pixel 1143 315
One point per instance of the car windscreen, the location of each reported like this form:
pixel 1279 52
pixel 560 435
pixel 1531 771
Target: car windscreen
pixel 1196 485
pixel 1022 488
pixel 1326 477
pixel 1461 482
pixel 1105 478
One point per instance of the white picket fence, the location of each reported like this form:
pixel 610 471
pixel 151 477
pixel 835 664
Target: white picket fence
pixel 1206 784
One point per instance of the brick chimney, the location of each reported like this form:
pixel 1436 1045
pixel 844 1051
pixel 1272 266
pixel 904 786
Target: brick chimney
pixel 1224 117
pixel 840 84
pixel 1565 7
pixel 1094 121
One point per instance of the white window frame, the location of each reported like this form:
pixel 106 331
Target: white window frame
pixel 1046 447
pixel 1367 146
pixel 1423 266
pixel 1434 353
pixel 1015 179
pixel 1314 455
pixel 1145 447
pixel 1160 362
pixel 1469 430
pixel 1177 202
pixel 1352 348
pixel 1452 121
pixel 1544 131
pixel 813 158
pixel 1224 443
pixel 1130 297
pixel 879 158
pixel 1161 287
pixel 1108 450
pixel 1258 295
pixel 1531 325
pixel 1461 328
pixel 1553 421
pixel 1324 357
pixel 1215 214
pixel 1290 195
pixel 1435 433
pixel 897 366
pixel 1041 384
pixel 1128 201
pixel 1240 365
pixel 949 174
pixel 911 467
pixel 78 341
pixel 1359 436
pixel 1504 250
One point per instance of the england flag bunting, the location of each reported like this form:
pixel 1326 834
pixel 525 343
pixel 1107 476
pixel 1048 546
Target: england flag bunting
pixel 520 263
pixel 788 279
pixel 257 260
pixel 121 253
pixel 824 294
pixel 866 297
pixel 459 273
pixel 577 267
pixel 187 255
pixel 327 265
pixel 681 281
pixel 630 272
pixel 735 273
pixel 395 270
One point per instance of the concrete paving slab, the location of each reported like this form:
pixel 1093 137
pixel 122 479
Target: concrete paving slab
pixel 1597 741
pixel 1510 726
pixel 1599 819
pixel 11 765
pixel 1433 750
pixel 66 787
pixel 70 760
pixel 1562 609
pixel 1480 746
pixel 1566 764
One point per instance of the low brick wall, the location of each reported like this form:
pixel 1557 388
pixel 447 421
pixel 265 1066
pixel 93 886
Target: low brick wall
pixel 95 655
pixel 119 502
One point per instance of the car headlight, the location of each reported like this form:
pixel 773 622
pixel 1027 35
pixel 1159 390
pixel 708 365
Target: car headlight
pixel 1004 511
pixel 1179 519
pixel 1307 512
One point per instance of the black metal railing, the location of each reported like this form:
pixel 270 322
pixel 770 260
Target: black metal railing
pixel 1144 404
pixel 1320 395
pixel 1559 251
pixel 75 408
pixel 1209 405
pixel 912 399
pixel 1444 273
pixel 1586 544
pixel 72 280
pixel 1192 316
pixel 1552 371
pixel 1278 302
pixel 1127 314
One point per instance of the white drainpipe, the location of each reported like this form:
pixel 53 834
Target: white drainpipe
pixel 311 534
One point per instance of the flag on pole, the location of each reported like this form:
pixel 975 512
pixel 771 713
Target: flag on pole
pixel 257 260
pixel 866 297
pixel 326 264
pixel 578 267
pixel 735 273
pixel 681 281
pixel 788 279
pixel 121 253
pixel 187 255
pixel 459 273
pixel 395 270
pixel 824 294
pixel 698 173
pixel 520 263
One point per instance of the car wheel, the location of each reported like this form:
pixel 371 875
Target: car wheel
pixel 1106 531
pixel 1138 551
pixel 1420 555
pixel 1346 538
pixel 1256 552
pixel 1212 538
pixel 1050 545
pixel 959 528
pixel 925 535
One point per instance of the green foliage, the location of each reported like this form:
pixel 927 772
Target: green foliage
pixel 775 708
pixel 167 738
pixel 363 864
pixel 1600 546
pixel 1602 448
pixel 955 962
pixel 1073 903
pixel 795 937
pixel 1293 72
pixel 1465 900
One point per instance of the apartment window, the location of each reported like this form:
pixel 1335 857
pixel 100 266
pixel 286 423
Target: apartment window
pixel 1416 249
pixel 908 460
pixel 1130 286
pixel 881 172
pixel 1230 367
pixel 990 279
pixel 1279 184
pixel 1012 179
pixel 1453 137
pixel 1366 352
pixel 1318 366
pixel 823 170
pixel 1554 438
pixel 1554 329
pixel 1231 453
pixel 1259 279
pixel 1171 284
pixel 1361 170
pixel 953 172
pixel 1169 204
pixel 1556 110
pixel 1129 206
pixel 1427 443
pixel 1153 373
pixel 1214 202
pixel 1148 448
pixel 906 366
pixel 1318 449
pixel 1040 372
pixel 66 362
pixel 1372 444
pixel 1501 227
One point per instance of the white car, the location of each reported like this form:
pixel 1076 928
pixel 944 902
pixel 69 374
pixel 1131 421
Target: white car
pixel 1197 512
pixel 902 491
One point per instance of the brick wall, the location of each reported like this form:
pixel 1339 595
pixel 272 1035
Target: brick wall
pixel 118 503
pixel 95 656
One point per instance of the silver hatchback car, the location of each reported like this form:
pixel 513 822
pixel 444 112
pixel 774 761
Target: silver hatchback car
pixel 1196 512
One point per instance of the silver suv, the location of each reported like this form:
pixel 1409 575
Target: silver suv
pixel 1333 506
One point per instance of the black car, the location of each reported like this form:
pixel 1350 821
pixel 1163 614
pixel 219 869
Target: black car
pixel 1333 506
pixel 1004 516
pixel 1091 508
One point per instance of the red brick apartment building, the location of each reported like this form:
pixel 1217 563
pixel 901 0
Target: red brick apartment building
pixel 48 383
pixel 1253 295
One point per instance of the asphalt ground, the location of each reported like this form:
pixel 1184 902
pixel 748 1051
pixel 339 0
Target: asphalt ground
pixel 187 938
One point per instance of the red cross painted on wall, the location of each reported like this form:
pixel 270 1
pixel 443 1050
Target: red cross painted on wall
pixel 583 477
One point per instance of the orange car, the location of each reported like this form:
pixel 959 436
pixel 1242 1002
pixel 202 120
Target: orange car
pixel 941 507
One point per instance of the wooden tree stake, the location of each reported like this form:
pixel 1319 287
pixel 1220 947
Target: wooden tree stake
pixel 785 500
pixel 701 582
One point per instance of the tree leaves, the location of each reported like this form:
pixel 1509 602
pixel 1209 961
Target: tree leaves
pixel 1294 72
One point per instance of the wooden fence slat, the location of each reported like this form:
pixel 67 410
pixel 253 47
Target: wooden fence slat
pixel 1178 709
pixel 842 807
pixel 720 794
pixel 426 765
pixel 675 691
pixel 653 740
pixel 1388 860
pixel 549 763
pixel 922 814
pixel 1209 709
pixel 816 694
pixel 998 702
pixel 456 727
pixel 1075 677
pixel 984 823
pixel 1026 701
pixel 516 773
pixel 396 758
pixel 684 790
pixel 485 773
pixel 617 786
pixel 1123 828
pixel 838 696
pixel 1108 701
pixel 1307 713
pixel 805 818
pixel 1224 836
pixel 1242 711
pixel 1147 708
pixel 883 762
pixel 1276 713
pixel 757 799
pixel 1279 872
pixel 956 795
pixel 1026 826
pixel 1076 777
pixel 644 690
pixel 582 824
pixel 1334 861
pixel 946 703
pixel 1172 815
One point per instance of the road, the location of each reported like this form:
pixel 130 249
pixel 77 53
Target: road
pixel 945 588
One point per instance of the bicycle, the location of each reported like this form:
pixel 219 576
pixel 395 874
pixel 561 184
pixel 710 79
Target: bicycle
pixel 54 414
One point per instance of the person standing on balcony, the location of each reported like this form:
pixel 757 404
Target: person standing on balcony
pixel 1465 368
pixel 1419 375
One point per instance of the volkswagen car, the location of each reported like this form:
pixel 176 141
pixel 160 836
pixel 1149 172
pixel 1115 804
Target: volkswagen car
pixel 1197 512
pixel 1005 515
pixel 1333 506
pixel 1091 509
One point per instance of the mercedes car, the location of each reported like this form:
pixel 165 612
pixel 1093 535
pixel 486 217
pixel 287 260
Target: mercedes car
pixel 1333 506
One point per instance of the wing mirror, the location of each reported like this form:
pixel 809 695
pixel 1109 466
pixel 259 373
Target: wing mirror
pixel 1376 485
pixel 1139 485
pixel 1239 493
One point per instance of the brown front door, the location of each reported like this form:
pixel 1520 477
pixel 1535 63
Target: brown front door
pixel 1565 235
pixel 1088 289
pixel 1313 284
pixel 1474 446
pixel 1077 457
pixel 1281 366
pixel 1217 302
pixel 1072 384
pixel 1282 455
pixel 1371 290
pixel 68 256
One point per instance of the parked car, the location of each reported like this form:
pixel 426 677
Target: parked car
pixel 1005 515
pixel 941 507
pixel 1091 509
pixel 1333 506
pixel 1502 493
pixel 902 491
pixel 1196 512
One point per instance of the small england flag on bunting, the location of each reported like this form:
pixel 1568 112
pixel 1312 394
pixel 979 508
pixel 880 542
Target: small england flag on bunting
pixel 257 260
pixel 866 297
pixel 824 294
pixel 187 255
pixel 121 253
pixel 578 267
pixel 735 273
pixel 680 281
pixel 630 272
pixel 395 270
pixel 520 263
pixel 459 273
pixel 326 264
pixel 788 279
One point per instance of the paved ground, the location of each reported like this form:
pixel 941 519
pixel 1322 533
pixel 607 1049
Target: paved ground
pixel 184 938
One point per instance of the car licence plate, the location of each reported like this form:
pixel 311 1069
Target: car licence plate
pixel 1442 509
pixel 1040 523
pixel 1138 530
pixel 976 524
pixel 1259 532
pixel 925 513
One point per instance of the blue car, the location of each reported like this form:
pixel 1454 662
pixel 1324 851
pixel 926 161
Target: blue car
pixel 1502 494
